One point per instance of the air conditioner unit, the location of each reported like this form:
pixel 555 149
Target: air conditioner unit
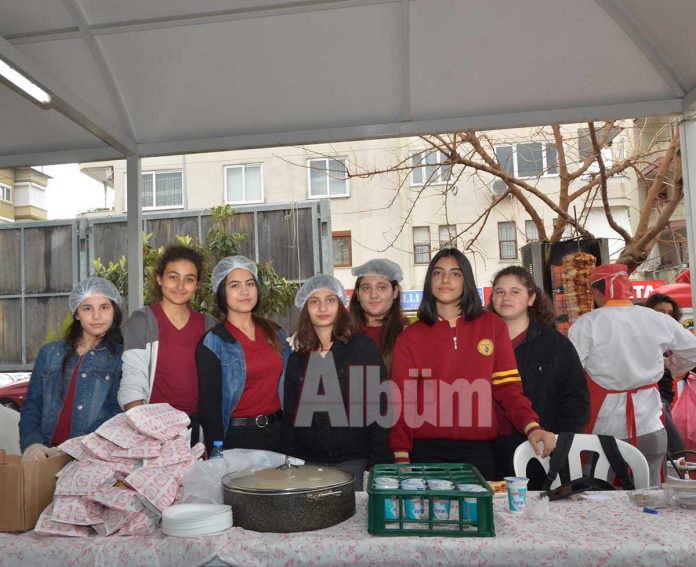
pixel 498 187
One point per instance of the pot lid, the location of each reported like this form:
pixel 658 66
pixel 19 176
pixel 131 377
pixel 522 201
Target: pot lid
pixel 294 479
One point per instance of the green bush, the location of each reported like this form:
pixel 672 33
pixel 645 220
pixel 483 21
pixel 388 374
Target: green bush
pixel 278 293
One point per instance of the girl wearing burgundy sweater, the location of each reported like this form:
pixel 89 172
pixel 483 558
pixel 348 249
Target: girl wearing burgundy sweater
pixel 449 367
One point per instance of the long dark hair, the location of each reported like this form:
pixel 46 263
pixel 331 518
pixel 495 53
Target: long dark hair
pixel 306 338
pixel 392 322
pixel 111 339
pixel 174 254
pixel 656 298
pixel 270 328
pixel 470 302
pixel 541 311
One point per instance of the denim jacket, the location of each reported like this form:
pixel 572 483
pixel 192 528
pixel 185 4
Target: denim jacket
pixel 95 392
pixel 221 378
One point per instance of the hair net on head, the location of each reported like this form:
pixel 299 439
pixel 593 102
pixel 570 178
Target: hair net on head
pixel 379 267
pixel 93 286
pixel 226 265
pixel 320 281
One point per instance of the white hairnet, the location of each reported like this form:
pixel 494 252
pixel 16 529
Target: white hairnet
pixel 320 281
pixel 379 267
pixel 226 265
pixel 93 286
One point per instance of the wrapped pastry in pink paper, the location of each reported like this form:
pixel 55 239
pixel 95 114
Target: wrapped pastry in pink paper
pixel 175 451
pixel 197 451
pixel 123 499
pixel 98 447
pixel 114 520
pixel 149 449
pixel 142 523
pixel 119 432
pixel 159 421
pixel 76 510
pixel 157 489
pixel 74 448
pixel 84 478
pixel 46 526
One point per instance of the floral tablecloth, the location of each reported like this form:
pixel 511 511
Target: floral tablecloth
pixel 604 532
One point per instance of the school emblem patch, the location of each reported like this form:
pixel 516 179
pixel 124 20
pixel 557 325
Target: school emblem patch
pixel 485 347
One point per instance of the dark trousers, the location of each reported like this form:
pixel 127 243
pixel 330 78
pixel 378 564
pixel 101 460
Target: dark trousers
pixel 254 437
pixel 195 428
pixel 477 453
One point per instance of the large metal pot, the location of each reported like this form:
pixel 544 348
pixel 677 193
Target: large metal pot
pixel 294 499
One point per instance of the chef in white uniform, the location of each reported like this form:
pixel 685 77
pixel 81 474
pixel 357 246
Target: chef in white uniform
pixel 621 347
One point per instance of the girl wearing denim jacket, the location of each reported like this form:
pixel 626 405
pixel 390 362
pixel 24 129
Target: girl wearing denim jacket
pixel 75 381
pixel 241 364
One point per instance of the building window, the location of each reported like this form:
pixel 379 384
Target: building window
pixel 585 148
pixel 243 184
pixel 507 240
pixel 5 193
pixel 328 178
pixel 531 231
pixel 428 168
pixel 342 249
pixel 161 189
pixel 532 159
pixel 421 244
pixel 448 235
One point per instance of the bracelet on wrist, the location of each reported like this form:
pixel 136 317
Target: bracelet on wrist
pixel 534 428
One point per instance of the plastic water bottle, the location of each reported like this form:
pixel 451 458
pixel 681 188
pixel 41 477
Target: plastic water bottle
pixel 216 451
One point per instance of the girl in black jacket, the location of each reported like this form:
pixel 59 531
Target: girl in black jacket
pixel 326 420
pixel 552 375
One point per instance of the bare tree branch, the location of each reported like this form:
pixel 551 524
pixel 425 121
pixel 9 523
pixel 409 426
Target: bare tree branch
pixel 603 179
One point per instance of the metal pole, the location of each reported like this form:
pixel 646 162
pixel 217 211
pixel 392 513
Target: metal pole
pixel 134 200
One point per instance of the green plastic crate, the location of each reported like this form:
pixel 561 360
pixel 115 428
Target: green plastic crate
pixel 459 525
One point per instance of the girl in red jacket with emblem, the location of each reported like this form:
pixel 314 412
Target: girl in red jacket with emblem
pixel 449 367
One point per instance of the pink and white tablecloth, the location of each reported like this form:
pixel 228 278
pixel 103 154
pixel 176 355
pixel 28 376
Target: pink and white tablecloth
pixel 587 533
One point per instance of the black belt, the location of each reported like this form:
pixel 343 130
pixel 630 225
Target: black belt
pixel 259 421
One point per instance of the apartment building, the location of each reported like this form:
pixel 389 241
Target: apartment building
pixel 401 212
pixel 22 194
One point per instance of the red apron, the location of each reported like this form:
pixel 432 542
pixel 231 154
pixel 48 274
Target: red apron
pixel 599 394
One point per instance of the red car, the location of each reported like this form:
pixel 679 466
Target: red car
pixel 13 389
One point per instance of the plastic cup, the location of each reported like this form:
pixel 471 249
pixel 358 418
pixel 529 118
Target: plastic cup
pixel 414 506
pixel 385 483
pixel 517 492
pixel 470 511
pixel 441 506
pixel 413 484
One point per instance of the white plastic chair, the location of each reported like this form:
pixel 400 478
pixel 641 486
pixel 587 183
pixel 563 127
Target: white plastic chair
pixel 582 442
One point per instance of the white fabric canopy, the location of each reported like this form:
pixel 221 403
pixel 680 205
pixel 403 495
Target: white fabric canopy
pixel 153 77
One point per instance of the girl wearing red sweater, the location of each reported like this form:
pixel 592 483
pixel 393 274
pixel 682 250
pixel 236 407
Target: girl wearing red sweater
pixel 449 367
pixel 375 306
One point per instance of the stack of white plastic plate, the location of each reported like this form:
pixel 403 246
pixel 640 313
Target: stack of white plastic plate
pixel 190 520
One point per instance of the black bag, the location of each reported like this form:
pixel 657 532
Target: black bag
pixel 558 465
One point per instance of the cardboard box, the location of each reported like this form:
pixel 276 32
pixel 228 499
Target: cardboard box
pixel 26 489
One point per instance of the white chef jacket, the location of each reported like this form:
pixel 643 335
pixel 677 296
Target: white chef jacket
pixel 621 347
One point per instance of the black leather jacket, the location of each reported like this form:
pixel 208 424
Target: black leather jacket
pixel 324 442
pixel 553 379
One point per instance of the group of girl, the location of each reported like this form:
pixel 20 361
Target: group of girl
pixel 242 379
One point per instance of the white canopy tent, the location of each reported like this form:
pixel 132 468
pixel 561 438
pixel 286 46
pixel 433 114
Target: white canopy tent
pixel 140 78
